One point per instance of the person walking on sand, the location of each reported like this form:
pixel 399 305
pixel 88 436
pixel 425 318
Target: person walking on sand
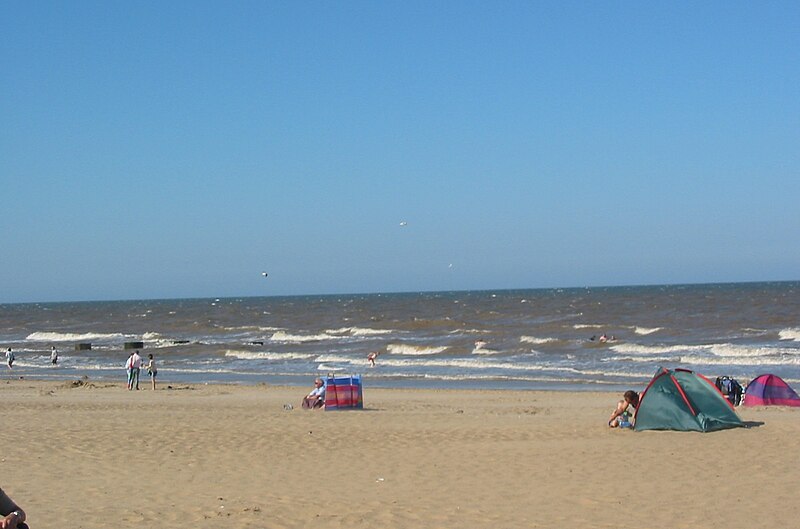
pixel 9 358
pixel 54 355
pixel 151 370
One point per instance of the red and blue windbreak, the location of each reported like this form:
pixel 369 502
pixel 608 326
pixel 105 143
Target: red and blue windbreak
pixel 770 390
pixel 343 393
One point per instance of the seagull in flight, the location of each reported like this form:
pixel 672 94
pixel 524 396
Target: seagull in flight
pixel 404 223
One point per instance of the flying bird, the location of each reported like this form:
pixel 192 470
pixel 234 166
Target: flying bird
pixel 404 223
pixel 264 274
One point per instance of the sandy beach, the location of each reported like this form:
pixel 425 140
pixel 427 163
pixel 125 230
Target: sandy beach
pixel 93 455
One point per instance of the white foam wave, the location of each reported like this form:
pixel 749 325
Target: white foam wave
pixel 730 350
pixel 327 368
pixel 249 355
pixel 644 331
pixel 340 359
pixel 741 361
pixel 484 351
pixel 72 337
pixel 632 349
pixel 790 334
pixel 359 331
pixel 646 359
pixel 252 328
pixel 413 350
pixel 536 341
pixel 281 336
pixel 587 326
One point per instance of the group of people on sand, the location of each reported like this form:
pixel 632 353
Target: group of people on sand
pixel 134 365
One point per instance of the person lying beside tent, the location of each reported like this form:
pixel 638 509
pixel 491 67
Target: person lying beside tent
pixel 621 417
pixel 315 399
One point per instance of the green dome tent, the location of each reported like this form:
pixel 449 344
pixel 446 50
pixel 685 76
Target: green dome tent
pixel 685 401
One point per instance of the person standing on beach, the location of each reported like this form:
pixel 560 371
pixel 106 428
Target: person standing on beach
pixel 9 358
pixel 136 366
pixel 54 355
pixel 13 515
pixel 151 370
pixel 129 371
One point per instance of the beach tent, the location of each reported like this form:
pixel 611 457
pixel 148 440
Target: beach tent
pixel 343 393
pixel 770 390
pixel 686 401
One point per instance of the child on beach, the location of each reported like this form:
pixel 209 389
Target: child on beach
pixel 372 356
pixel 620 418
pixel 151 370
pixel 54 355
pixel 9 358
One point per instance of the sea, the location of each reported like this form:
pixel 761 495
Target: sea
pixel 564 339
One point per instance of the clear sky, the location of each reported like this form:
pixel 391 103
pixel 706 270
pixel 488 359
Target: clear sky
pixel 178 149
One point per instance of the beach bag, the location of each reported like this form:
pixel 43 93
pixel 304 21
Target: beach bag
pixel 730 389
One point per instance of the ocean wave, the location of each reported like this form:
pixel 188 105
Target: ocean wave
pixel 359 331
pixel 646 359
pixel 632 348
pixel 731 350
pixel 414 350
pixel 281 336
pixel 741 361
pixel 251 328
pixel 644 331
pixel 537 341
pixel 73 337
pixel 327 368
pixel 790 334
pixel 587 326
pixel 250 355
pixel 485 351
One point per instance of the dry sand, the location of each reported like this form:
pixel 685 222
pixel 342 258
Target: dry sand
pixel 98 456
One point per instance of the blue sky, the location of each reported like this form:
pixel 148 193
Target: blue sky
pixel 179 149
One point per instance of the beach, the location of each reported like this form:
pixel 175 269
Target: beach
pixel 91 454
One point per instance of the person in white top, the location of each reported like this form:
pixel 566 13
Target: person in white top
pixel 9 357
pixel 315 399
pixel 53 355
pixel 151 370
pixel 133 366
pixel 136 365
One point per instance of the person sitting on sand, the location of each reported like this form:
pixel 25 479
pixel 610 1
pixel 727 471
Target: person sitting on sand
pixel 620 418
pixel 13 515
pixel 372 356
pixel 315 399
